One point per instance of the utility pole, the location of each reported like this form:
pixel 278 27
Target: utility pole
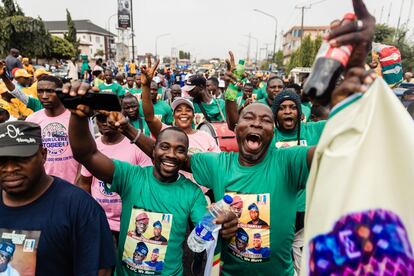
pixel 399 21
pixel 382 10
pixel 302 8
pixel 132 32
pixel 409 12
pixel 389 14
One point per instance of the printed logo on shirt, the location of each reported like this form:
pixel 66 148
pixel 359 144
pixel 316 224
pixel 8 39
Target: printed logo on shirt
pixel 55 138
pixel 147 241
pixel 104 190
pixel 252 241
pixel 18 250
pixel 194 150
pixel 288 144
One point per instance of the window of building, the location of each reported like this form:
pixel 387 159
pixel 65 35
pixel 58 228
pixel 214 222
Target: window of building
pixel 90 38
pixel 98 39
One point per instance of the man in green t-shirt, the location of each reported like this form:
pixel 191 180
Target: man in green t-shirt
pixel 274 86
pixel 247 97
pixel 266 180
pixel 206 106
pixel 130 86
pixel 130 108
pixel 110 86
pixel 162 110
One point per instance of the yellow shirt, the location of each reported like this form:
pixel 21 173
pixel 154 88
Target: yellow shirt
pixel 132 68
pixel 16 108
pixel 29 68
pixel 31 91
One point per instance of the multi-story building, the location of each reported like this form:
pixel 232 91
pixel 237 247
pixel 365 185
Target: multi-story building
pixel 93 39
pixel 291 39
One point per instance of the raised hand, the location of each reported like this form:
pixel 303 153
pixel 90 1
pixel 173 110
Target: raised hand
pixel 359 33
pixel 115 120
pixel 148 72
pixel 74 89
pixel 231 66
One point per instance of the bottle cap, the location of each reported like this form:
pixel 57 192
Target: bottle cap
pixel 228 199
pixel 350 16
pixel 241 62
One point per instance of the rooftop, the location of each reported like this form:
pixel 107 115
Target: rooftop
pixel 82 26
pixel 307 28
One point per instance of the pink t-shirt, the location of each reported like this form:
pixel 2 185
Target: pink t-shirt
pixel 60 161
pixel 111 202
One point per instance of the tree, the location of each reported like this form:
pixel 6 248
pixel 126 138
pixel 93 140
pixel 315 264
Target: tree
pixel 61 48
pixel 25 33
pixel 71 35
pixel 99 53
pixel 278 58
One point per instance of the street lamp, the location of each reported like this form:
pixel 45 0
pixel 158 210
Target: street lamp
pixel 156 42
pixel 275 19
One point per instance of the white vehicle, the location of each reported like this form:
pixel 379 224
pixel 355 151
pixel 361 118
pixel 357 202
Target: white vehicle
pixel 299 74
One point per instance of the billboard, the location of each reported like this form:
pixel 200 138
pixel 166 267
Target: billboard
pixel 124 14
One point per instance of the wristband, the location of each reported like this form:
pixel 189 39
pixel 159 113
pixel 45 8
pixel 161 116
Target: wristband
pixel 231 93
pixel 136 137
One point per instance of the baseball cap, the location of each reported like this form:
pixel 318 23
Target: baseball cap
pixel 7 248
pixel 193 81
pixel 253 207
pixel 20 139
pixel 181 100
pixel 41 71
pixel 141 248
pixel 242 235
pixel 22 73
pixel 156 251
pixel 143 216
pixel 25 59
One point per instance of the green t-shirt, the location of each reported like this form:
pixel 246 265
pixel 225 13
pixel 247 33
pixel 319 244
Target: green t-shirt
pixel 212 110
pixel 113 87
pixel 132 91
pixel 141 124
pixel 269 188
pixel 306 111
pixel 260 93
pixel 309 136
pixel 166 206
pixel 34 104
pixel 162 111
pixel 240 101
pixel 264 101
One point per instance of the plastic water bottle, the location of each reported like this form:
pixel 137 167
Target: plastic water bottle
pixel 202 234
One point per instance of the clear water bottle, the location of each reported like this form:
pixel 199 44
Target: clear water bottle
pixel 202 234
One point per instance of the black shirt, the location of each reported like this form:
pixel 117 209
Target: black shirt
pixel 75 238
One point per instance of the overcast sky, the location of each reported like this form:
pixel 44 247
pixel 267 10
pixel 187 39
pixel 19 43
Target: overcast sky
pixel 208 28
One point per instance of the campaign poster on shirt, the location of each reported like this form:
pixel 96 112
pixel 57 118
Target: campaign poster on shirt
pixel 147 241
pixel 18 250
pixel 252 240
pixel 288 144
pixel 56 140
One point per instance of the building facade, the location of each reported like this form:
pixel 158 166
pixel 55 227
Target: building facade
pixel 93 39
pixel 291 39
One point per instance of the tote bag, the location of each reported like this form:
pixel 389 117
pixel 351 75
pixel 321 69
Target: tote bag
pixel 360 192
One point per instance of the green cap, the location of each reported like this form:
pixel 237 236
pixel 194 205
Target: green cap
pixel 241 61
